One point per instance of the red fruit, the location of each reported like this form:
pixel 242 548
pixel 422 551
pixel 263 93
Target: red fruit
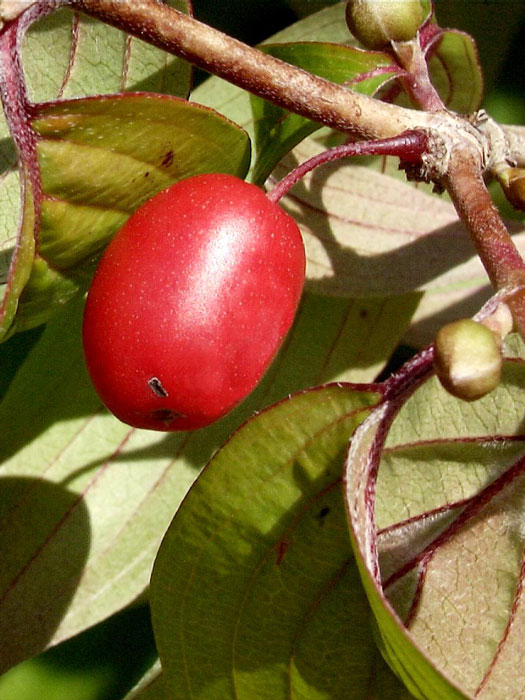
pixel 191 302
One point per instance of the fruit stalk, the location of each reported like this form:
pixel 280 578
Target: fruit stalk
pixel 417 80
pixel 409 146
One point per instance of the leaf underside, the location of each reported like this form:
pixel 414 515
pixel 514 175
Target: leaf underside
pixel 129 482
pixel 448 531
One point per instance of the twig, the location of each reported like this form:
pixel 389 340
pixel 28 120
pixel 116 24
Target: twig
pixel 516 139
pixel 503 263
pixel 459 150
pixel 261 74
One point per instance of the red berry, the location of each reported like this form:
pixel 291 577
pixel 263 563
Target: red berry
pixel 191 302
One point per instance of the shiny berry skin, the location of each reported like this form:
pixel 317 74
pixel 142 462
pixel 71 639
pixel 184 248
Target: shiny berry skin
pixel 191 302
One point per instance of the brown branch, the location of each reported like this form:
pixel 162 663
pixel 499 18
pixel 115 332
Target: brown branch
pixel 292 88
pixel 516 138
pixel 503 263
pixel 459 150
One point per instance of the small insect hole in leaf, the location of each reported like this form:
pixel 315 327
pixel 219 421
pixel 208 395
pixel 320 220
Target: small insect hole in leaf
pixel 168 159
pixel 322 514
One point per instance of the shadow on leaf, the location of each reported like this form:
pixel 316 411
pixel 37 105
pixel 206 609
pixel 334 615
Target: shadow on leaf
pixel 44 539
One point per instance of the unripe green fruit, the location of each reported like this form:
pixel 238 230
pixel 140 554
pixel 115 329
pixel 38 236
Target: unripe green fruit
pixel 375 23
pixel 513 183
pixel 467 359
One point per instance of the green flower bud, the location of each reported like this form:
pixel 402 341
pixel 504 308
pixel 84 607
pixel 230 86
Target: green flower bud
pixel 375 23
pixel 467 359
pixel 512 181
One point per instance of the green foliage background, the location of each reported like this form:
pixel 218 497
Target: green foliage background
pixel 106 661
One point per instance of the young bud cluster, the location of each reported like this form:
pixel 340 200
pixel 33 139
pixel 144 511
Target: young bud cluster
pixel 375 23
pixel 468 359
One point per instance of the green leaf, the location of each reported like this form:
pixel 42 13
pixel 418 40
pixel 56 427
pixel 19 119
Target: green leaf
pixel 368 234
pixel 112 152
pixel 404 657
pixel 337 339
pixel 127 483
pixel 64 59
pixel 456 73
pixel 86 499
pixel 448 528
pixel 273 130
pixel 69 55
pixel 150 687
pixel 494 26
pixel 17 259
pixel 72 55
pixel 34 504
pixel 327 627
pixel 254 592
pixel 277 131
pixel 100 158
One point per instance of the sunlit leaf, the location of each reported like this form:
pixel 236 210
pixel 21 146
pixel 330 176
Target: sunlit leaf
pixel 100 158
pixel 369 234
pixel 254 591
pixel 66 55
pixel 305 44
pixel 64 59
pixel 126 484
pixel 83 502
pixel 72 55
pixel 448 533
